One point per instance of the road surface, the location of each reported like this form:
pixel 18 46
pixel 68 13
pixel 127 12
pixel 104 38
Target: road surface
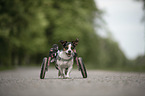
pixel 26 82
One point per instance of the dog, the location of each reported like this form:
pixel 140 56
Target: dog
pixel 65 58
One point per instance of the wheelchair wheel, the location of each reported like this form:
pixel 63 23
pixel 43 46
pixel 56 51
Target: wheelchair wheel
pixel 43 68
pixel 82 67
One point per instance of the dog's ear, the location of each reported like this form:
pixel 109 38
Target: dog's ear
pixel 75 43
pixel 63 42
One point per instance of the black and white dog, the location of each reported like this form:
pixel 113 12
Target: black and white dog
pixel 65 58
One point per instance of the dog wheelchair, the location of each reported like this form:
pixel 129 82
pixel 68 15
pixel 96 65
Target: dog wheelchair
pixel 46 62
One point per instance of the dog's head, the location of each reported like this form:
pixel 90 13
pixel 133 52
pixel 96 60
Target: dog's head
pixel 68 47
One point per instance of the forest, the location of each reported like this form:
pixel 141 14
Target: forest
pixel 29 28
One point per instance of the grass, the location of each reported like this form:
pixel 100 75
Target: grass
pixel 2 68
pixel 128 68
pixel 121 69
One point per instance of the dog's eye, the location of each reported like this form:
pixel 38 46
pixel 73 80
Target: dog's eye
pixel 72 48
pixel 66 47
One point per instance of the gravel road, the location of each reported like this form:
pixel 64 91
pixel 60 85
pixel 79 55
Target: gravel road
pixel 26 82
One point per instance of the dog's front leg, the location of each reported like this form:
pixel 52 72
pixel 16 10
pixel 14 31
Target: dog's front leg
pixel 60 73
pixel 68 72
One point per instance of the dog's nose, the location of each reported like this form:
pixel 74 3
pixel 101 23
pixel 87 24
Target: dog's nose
pixel 69 51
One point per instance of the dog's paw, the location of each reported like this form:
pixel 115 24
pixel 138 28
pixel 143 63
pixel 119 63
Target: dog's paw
pixel 64 77
pixel 59 77
pixel 67 77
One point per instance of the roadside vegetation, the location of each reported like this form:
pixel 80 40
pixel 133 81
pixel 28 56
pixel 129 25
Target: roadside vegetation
pixel 29 28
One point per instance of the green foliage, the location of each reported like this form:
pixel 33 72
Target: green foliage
pixel 29 28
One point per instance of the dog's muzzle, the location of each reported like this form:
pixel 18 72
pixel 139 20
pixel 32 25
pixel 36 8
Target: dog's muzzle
pixel 68 53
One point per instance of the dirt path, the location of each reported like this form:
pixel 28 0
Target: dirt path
pixel 26 82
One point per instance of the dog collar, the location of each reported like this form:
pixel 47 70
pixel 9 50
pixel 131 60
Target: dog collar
pixel 59 58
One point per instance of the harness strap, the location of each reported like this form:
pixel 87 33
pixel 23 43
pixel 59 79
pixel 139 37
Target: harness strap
pixel 59 58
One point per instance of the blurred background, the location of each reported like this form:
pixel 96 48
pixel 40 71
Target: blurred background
pixel 111 32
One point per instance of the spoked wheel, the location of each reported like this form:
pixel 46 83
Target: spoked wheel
pixel 43 68
pixel 82 67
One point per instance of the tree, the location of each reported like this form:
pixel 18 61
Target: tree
pixel 28 29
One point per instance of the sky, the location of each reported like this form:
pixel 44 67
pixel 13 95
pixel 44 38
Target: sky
pixel 124 21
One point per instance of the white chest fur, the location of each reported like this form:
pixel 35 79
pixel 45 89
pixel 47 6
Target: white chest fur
pixel 64 63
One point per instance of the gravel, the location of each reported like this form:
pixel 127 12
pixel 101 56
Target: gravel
pixel 26 82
